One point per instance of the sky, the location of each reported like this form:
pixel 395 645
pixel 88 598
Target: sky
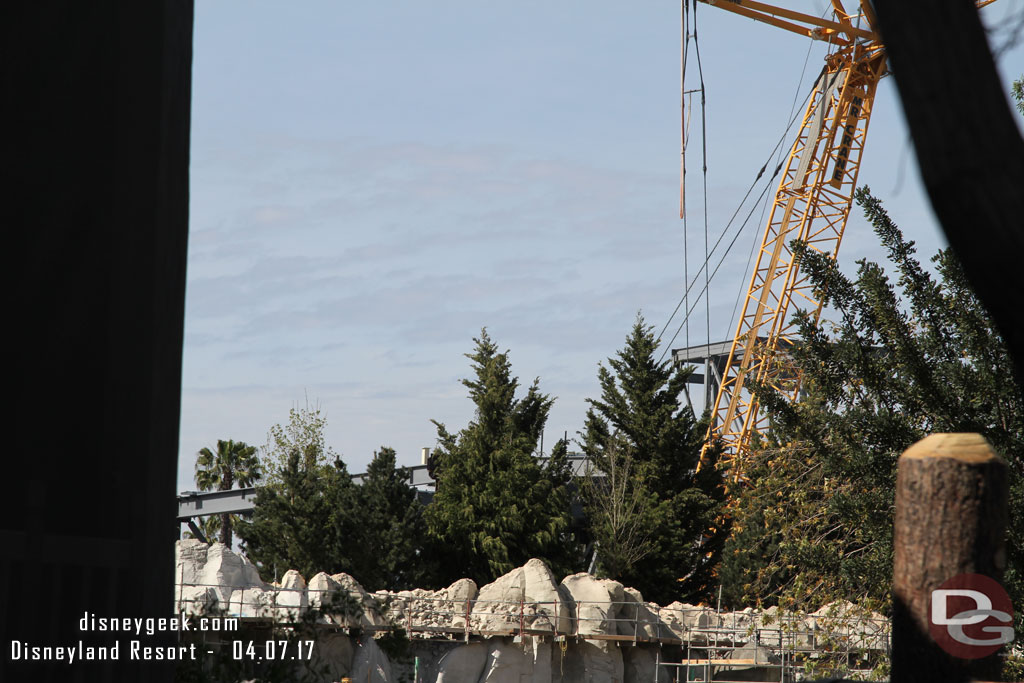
pixel 372 183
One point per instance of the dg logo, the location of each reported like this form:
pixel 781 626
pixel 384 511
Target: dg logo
pixel 970 616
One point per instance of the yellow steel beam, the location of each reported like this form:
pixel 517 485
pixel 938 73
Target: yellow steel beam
pixel 812 205
pixel 809 25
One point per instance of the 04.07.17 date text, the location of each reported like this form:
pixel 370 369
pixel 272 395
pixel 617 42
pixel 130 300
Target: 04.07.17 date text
pixel 271 650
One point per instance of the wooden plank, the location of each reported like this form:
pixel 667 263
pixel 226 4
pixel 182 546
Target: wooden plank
pixel 742 663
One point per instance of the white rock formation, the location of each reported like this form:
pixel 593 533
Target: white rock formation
pixel 766 668
pixel 290 598
pixel 463 664
pixel 596 603
pixel 189 560
pixel 320 592
pixel 453 601
pixel 214 576
pixel 333 655
pixel 225 568
pixel 637 618
pixel 372 611
pixel 195 599
pixel 251 602
pixel 370 663
pixel 510 662
pixel 443 610
pixel 526 596
pixel 593 661
pixel 640 665
pixel 208 575
pixel 674 617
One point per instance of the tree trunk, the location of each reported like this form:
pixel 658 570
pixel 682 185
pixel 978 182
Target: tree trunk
pixel 227 481
pixel 951 492
pixel 225 529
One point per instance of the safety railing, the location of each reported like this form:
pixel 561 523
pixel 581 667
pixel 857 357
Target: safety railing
pixel 710 641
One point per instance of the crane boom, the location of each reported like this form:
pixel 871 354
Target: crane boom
pixel 811 205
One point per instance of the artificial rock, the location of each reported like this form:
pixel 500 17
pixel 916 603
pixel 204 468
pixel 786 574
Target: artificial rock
pixel 532 627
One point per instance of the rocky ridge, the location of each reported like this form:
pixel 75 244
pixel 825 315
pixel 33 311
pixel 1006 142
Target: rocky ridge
pixel 520 615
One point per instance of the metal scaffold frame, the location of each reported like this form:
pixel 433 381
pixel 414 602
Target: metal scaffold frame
pixel 699 640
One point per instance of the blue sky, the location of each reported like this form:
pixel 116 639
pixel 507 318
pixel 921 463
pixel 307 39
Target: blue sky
pixel 372 183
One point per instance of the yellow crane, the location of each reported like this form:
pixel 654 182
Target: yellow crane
pixel 812 205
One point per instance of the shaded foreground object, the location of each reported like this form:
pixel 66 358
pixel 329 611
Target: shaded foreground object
pixel 951 494
pixel 97 155
pixel 969 149
pixel 951 514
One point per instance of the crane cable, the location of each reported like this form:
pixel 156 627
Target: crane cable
pixel 704 182
pixel 683 138
pixel 707 255
pixel 720 262
pixel 753 184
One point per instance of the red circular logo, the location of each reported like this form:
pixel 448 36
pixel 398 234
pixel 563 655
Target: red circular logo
pixel 970 616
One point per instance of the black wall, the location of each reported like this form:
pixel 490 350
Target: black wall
pixel 95 192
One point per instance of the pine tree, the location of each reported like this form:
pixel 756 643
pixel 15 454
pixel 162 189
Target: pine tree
pixel 901 360
pixel 307 519
pixel 392 524
pixel 639 433
pixel 306 515
pixel 495 505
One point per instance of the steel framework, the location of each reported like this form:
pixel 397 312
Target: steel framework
pixel 811 205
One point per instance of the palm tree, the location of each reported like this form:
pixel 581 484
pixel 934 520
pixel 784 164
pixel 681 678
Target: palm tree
pixel 234 462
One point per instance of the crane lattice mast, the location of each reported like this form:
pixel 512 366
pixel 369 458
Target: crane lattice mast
pixel 811 205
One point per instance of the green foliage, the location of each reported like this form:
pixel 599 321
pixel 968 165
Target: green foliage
pixel 302 434
pixel 902 360
pixel 392 523
pixel 654 517
pixel 496 506
pixel 234 462
pixel 306 519
pixel 620 510
pixel 312 517
pixel 1013 667
pixel 1018 93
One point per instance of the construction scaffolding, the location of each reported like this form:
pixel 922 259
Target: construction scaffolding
pixel 697 643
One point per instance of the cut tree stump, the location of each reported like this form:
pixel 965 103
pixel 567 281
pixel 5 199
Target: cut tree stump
pixel 951 494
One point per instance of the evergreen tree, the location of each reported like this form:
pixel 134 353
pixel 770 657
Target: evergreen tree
pixel 306 516
pixel 648 444
pixel 312 517
pixel 495 505
pixel 234 462
pixel 306 519
pixel 393 528
pixel 902 360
